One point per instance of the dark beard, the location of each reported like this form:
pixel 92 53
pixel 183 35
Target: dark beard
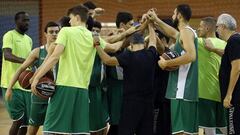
pixel 175 23
pixel 23 29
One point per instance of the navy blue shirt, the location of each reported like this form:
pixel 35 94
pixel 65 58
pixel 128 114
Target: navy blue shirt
pixel 138 73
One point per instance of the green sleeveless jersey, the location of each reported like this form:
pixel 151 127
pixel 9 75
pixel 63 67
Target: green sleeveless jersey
pixel 97 72
pixel 183 82
pixel 42 55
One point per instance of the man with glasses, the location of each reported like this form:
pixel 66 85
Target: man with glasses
pixel 230 71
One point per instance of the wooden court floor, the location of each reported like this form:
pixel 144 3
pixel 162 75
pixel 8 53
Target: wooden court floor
pixel 5 121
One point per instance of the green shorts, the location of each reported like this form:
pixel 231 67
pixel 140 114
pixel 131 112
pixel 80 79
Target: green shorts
pixel 114 93
pixel 38 110
pixel 97 118
pixel 105 105
pixel 184 116
pixel 68 111
pixel 211 114
pixel 19 106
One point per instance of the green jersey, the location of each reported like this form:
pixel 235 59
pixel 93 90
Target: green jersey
pixel 183 82
pixel 208 69
pixel 21 46
pixel 76 62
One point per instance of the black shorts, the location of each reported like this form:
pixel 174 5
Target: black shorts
pixel 136 117
pixel 234 120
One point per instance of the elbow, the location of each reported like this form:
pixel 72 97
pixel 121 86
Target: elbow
pixel 7 56
pixel 107 62
pixel 110 50
pixel 54 59
pixel 191 57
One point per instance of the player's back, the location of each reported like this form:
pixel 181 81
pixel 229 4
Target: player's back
pixel 76 62
pixel 138 71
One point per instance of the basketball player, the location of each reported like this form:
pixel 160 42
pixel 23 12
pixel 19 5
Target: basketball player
pixel 68 109
pixel 211 110
pixel 183 83
pixel 16 47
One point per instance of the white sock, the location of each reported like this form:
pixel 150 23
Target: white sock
pixel 210 131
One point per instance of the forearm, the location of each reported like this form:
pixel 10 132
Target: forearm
pixel 143 26
pixel 106 59
pixel 182 60
pixel 233 80
pixel 116 38
pixel 15 77
pixel 166 29
pixel 112 48
pixel 13 58
pixel 219 52
pixel 103 55
pixel 160 46
pixel 46 67
pixel 152 36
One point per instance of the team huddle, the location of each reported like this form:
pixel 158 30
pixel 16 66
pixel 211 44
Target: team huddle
pixel 150 77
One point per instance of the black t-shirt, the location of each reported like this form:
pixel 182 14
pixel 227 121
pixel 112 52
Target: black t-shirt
pixel 138 73
pixel 231 53
pixel 160 85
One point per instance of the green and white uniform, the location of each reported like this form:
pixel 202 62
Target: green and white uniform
pixel 211 110
pixel 21 45
pixel 97 108
pixel 39 105
pixel 183 91
pixel 114 92
pixel 68 109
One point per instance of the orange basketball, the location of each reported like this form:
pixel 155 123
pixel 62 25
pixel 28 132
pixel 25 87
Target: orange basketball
pixel 24 78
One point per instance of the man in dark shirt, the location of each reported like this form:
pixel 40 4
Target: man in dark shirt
pixel 230 70
pixel 138 66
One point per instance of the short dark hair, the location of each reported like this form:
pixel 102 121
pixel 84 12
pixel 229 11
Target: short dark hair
pixel 210 21
pixel 97 24
pixel 89 5
pixel 136 38
pixel 17 15
pixel 64 21
pixel 185 11
pixel 123 17
pixel 50 24
pixel 80 10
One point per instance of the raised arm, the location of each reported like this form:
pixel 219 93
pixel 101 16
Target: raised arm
pixel 112 48
pixel 106 59
pixel 152 36
pixel 121 36
pixel 168 30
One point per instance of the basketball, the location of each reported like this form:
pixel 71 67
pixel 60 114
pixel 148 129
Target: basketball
pixel 45 87
pixel 24 78
pixel 168 55
pixel 49 75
